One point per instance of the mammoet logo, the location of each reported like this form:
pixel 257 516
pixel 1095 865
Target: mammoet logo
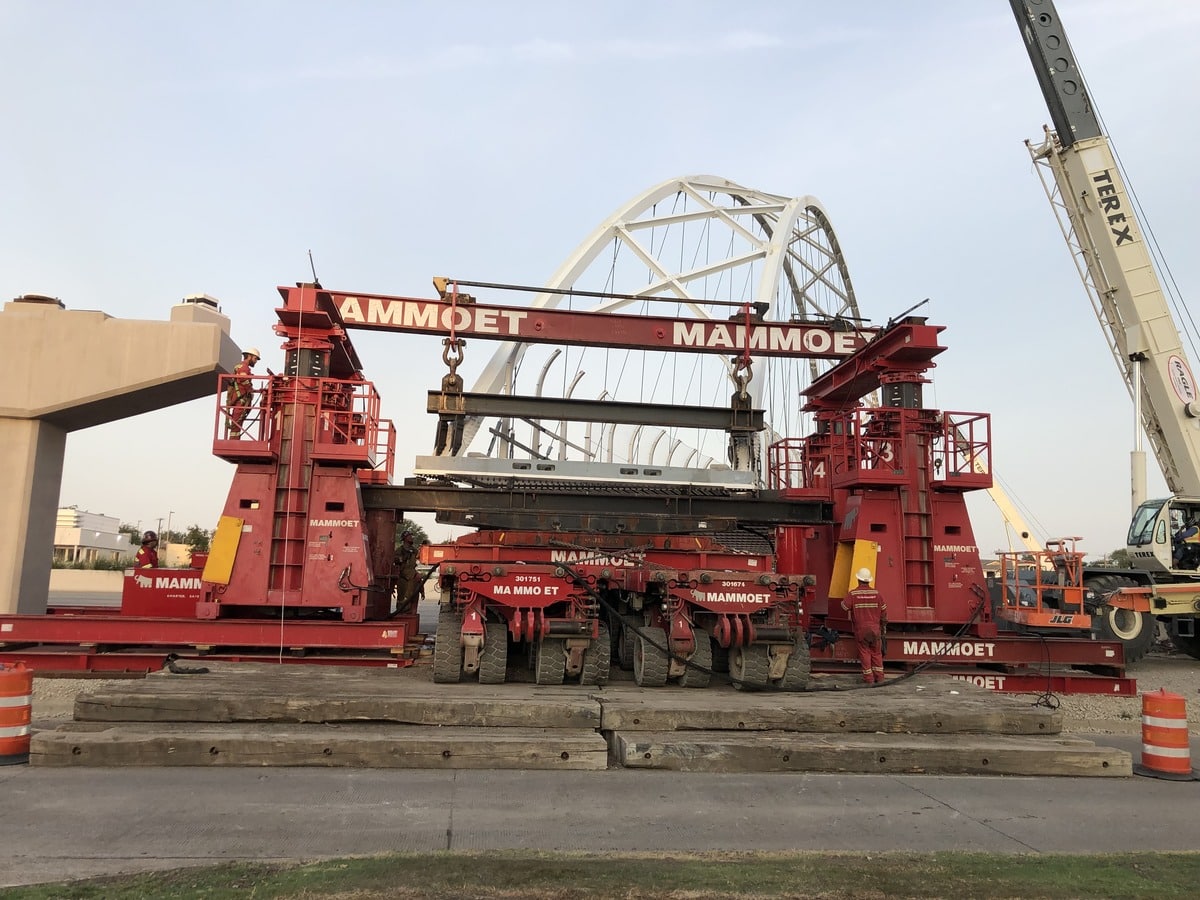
pixel 954 548
pixel 949 648
pixel 333 523
pixel 757 599
pixel 765 337
pixel 173 582
pixel 991 682
pixel 430 315
pixel 592 559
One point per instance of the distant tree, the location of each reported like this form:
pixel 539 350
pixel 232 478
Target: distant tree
pixel 135 536
pixel 1115 559
pixel 197 539
pixel 418 533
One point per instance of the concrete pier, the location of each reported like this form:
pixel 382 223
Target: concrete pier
pixel 71 369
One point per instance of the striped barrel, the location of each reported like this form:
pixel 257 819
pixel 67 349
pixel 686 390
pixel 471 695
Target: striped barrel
pixel 1165 750
pixel 16 704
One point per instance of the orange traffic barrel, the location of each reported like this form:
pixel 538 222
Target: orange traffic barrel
pixel 1165 749
pixel 16 705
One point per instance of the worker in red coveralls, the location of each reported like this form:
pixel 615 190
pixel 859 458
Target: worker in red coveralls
pixel 147 556
pixel 239 396
pixel 868 613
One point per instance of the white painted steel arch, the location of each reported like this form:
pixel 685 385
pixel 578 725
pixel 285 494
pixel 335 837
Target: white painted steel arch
pixel 682 247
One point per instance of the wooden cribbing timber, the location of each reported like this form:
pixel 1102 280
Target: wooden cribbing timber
pixel 240 714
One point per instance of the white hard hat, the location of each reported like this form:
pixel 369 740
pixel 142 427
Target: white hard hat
pixel 863 575
pixel 252 351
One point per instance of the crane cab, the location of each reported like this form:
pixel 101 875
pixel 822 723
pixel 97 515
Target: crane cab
pixel 1164 537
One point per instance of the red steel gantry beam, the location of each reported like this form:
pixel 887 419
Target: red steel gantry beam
pixel 459 315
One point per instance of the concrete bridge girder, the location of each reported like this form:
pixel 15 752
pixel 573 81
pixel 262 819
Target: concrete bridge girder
pixel 67 370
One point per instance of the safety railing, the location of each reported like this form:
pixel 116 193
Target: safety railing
pixel 347 422
pixel 1044 589
pixel 961 455
pixel 869 449
pixel 384 455
pixel 796 469
pixel 243 425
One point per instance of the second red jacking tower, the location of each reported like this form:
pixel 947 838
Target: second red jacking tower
pixel 896 475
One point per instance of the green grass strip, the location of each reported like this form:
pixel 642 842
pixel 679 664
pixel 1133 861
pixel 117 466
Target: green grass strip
pixel 699 876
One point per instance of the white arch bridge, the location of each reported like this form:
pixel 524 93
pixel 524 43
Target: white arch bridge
pixel 698 246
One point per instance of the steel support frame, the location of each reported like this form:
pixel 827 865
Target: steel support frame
pixel 608 411
pixel 1022 682
pixel 540 509
pixel 1002 650
pixel 392 635
pixel 84 661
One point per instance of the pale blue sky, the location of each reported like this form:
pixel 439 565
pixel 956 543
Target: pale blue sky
pixel 154 150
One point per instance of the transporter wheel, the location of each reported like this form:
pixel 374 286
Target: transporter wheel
pixel 493 658
pixel 447 647
pixel 626 639
pixel 749 667
pixel 597 659
pixel 550 664
pixel 720 658
pixel 699 668
pixel 1134 630
pixel 799 667
pixel 649 661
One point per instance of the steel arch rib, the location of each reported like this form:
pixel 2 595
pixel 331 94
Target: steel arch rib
pixel 491 379
pixel 777 217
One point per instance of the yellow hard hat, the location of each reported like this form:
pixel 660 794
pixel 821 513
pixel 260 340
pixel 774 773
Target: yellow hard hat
pixel 863 575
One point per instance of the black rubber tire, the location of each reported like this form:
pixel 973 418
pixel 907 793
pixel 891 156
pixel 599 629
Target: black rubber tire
pixel 493 658
pixel 447 647
pixel 749 667
pixel 799 667
pixel 649 662
pixel 550 663
pixel 1135 631
pixel 626 640
pixel 1188 645
pixel 720 658
pixel 597 659
pixel 699 668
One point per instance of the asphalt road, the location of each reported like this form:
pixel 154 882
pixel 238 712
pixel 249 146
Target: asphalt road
pixel 74 823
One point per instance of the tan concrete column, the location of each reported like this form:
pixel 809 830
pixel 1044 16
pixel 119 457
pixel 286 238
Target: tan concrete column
pixel 67 370
pixel 31 458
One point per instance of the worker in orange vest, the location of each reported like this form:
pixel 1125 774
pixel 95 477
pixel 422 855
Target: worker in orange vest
pixel 239 396
pixel 868 613
pixel 147 556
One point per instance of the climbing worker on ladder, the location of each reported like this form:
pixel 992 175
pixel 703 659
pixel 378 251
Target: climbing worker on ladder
pixel 868 613
pixel 239 396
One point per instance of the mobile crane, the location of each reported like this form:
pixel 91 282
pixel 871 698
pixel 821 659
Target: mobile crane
pixel 1079 172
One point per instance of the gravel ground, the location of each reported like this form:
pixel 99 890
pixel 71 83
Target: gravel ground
pixel 1102 714
pixel 54 698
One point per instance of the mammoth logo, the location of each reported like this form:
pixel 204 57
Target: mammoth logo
pixel 142 581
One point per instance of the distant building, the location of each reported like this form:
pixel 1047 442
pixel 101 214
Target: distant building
pixel 86 537
pixel 174 556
